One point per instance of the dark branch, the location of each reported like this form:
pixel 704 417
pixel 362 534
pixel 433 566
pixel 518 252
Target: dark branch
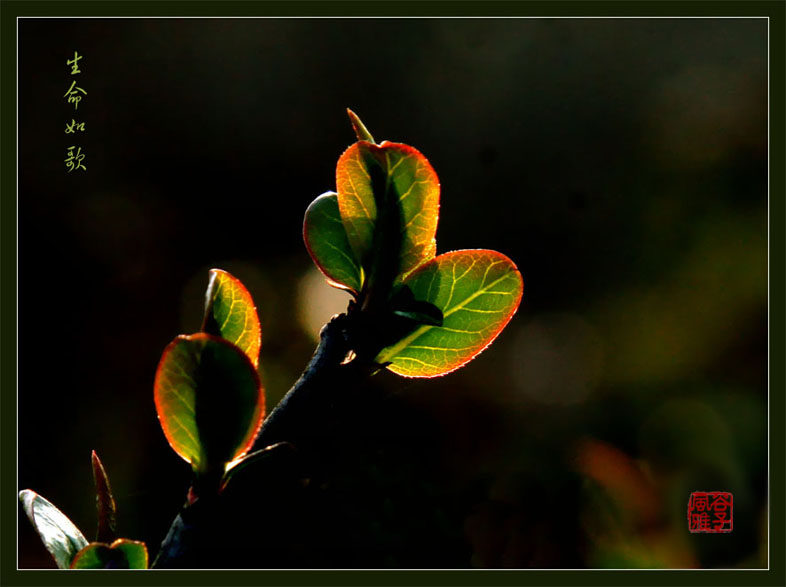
pixel 301 417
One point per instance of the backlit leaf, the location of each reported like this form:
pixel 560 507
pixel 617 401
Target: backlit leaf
pixel 105 502
pixel 400 178
pixel 121 554
pixel 326 241
pixel 230 313
pixel 59 534
pixel 478 292
pixel 209 400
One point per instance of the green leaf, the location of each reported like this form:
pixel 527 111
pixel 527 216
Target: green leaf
pixel 326 241
pixel 209 401
pixel 105 502
pixel 394 186
pixel 121 554
pixel 478 292
pixel 230 314
pixel 59 534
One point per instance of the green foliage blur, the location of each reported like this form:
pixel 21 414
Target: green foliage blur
pixel 622 164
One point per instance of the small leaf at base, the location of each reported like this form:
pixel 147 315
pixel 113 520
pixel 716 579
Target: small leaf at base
pixel 121 554
pixel 59 534
pixel 405 305
pixel 271 452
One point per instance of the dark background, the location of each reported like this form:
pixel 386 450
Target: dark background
pixel 622 164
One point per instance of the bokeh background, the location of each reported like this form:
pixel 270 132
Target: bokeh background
pixel 622 164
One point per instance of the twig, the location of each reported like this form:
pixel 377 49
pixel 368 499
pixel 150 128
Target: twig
pixel 299 416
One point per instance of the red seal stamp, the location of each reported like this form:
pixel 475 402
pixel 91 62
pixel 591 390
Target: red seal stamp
pixel 710 511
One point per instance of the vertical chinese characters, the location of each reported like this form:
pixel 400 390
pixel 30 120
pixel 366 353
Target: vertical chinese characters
pixel 75 157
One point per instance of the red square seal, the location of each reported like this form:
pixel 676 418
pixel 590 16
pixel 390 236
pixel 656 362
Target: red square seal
pixel 710 511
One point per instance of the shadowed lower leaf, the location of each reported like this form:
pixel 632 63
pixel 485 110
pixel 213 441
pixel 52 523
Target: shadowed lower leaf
pixel 230 313
pixel 404 305
pixel 477 291
pixel 209 400
pixel 272 452
pixel 326 241
pixel 59 534
pixel 121 554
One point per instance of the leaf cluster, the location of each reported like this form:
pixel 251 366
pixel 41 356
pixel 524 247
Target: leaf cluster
pixel 418 313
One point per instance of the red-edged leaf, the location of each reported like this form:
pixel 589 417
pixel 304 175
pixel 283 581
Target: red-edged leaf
pixel 209 400
pixel 477 291
pixel 399 178
pixel 326 241
pixel 230 313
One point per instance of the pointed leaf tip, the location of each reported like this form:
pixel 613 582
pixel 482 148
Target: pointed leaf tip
pixel 105 502
pixel 360 129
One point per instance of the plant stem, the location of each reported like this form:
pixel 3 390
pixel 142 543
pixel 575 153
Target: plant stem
pixel 300 417
pixel 294 414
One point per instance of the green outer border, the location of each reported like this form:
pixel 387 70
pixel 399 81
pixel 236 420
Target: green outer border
pixel 9 10
pixel 376 8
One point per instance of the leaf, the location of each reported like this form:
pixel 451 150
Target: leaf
pixel 427 315
pixel 404 304
pixel 230 313
pixel 478 291
pixel 399 178
pixel 273 451
pixel 59 534
pixel 105 502
pixel 326 241
pixel 209 400
pixel 121 554
pixel 360 129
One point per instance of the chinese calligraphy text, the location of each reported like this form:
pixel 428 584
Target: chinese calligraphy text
pixel 710 511
pixel 74 157
pixel 73 95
